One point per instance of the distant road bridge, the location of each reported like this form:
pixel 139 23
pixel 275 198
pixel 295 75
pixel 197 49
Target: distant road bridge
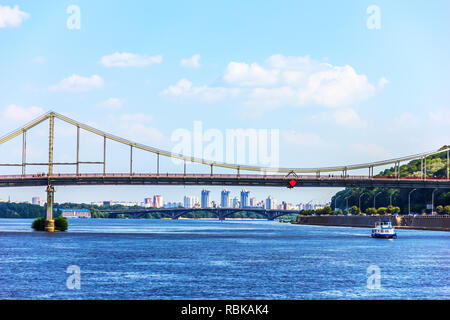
pixel 221 213
pixel 260 176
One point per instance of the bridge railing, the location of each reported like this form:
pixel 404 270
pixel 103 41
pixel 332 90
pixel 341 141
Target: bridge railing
pixel 199 175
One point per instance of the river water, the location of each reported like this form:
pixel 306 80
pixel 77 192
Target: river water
pixel 210 259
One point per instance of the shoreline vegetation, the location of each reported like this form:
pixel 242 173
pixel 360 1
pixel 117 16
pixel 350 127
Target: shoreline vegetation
pixel 31 211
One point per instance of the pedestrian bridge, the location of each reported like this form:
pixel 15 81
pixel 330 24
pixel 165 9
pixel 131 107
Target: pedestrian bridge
pixel 239 174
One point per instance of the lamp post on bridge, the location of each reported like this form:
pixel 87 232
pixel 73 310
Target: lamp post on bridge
pixel 359 201
pixel 346 201
pixel 335 198
pixel 432 200
pixel 390 198
pixel 409 200
pixel 375 198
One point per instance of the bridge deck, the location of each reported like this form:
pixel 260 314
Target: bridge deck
pixel 220 180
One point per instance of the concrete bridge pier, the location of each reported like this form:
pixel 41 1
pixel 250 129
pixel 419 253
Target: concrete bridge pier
pixel 271 215
pixel 49 222
pixel 220 215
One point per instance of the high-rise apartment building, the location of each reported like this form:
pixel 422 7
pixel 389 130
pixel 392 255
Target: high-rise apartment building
pixel 244 198
pixel 148 202
pixel 225 198
pixel 271 203
pixel 205 198
pixel 158 201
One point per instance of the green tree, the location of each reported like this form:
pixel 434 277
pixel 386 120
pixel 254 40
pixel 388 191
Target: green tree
pixel 447 210
pixel 38 224
pixel 382 210
pixel 61 223
pixel 354 210
pixel 439 209
pixel 327 210
pixel 371 211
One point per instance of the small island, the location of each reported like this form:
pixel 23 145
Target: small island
pixel 61 224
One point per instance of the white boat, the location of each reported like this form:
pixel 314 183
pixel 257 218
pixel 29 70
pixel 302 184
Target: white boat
pixel 384 230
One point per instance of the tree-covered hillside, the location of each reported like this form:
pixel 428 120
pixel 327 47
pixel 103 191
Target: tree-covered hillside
pixel 20 210
pixel 436 166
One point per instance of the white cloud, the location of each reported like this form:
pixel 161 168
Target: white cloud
pixel 372 150
pixel 137 117
pixel 406 120
pixel 293 137
pixel 137 127
pixel 192 62
pixel 242 74
pixel 288 81
pixel 335 87
pixel 11 16
pixel 20 114
pixel 112 103
pixel 345 117
pixel 440 115
pixel 348 118
pixel 184 88
pixel 382 83
pixel 76 83
pixel 126 59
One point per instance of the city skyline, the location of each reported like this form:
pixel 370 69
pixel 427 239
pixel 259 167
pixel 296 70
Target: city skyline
pixel 191 201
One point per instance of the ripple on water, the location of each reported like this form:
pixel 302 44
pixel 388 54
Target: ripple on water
pixel 165 259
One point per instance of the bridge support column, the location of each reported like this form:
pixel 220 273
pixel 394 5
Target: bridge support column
pixel 50 145
pixel 24 152
pixel 425 176
pixel 270 216
pixel 49 222
pixel 220 214
pixel 448 165
pixel 78 150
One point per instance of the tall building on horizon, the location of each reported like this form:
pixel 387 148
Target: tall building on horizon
pixel 205 199
pixel 271 203
pixel 148 202
pixel 189 201
pixel 37 200
pixel 235 202
pixel 157 201
pixel 244 198
pixel 225 198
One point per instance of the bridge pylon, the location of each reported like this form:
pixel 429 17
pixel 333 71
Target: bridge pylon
pixel 49 222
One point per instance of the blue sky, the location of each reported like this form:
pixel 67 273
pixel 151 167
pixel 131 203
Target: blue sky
pixel 337 91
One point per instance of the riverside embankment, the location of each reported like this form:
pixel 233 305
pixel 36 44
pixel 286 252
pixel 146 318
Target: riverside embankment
pixel 440 223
